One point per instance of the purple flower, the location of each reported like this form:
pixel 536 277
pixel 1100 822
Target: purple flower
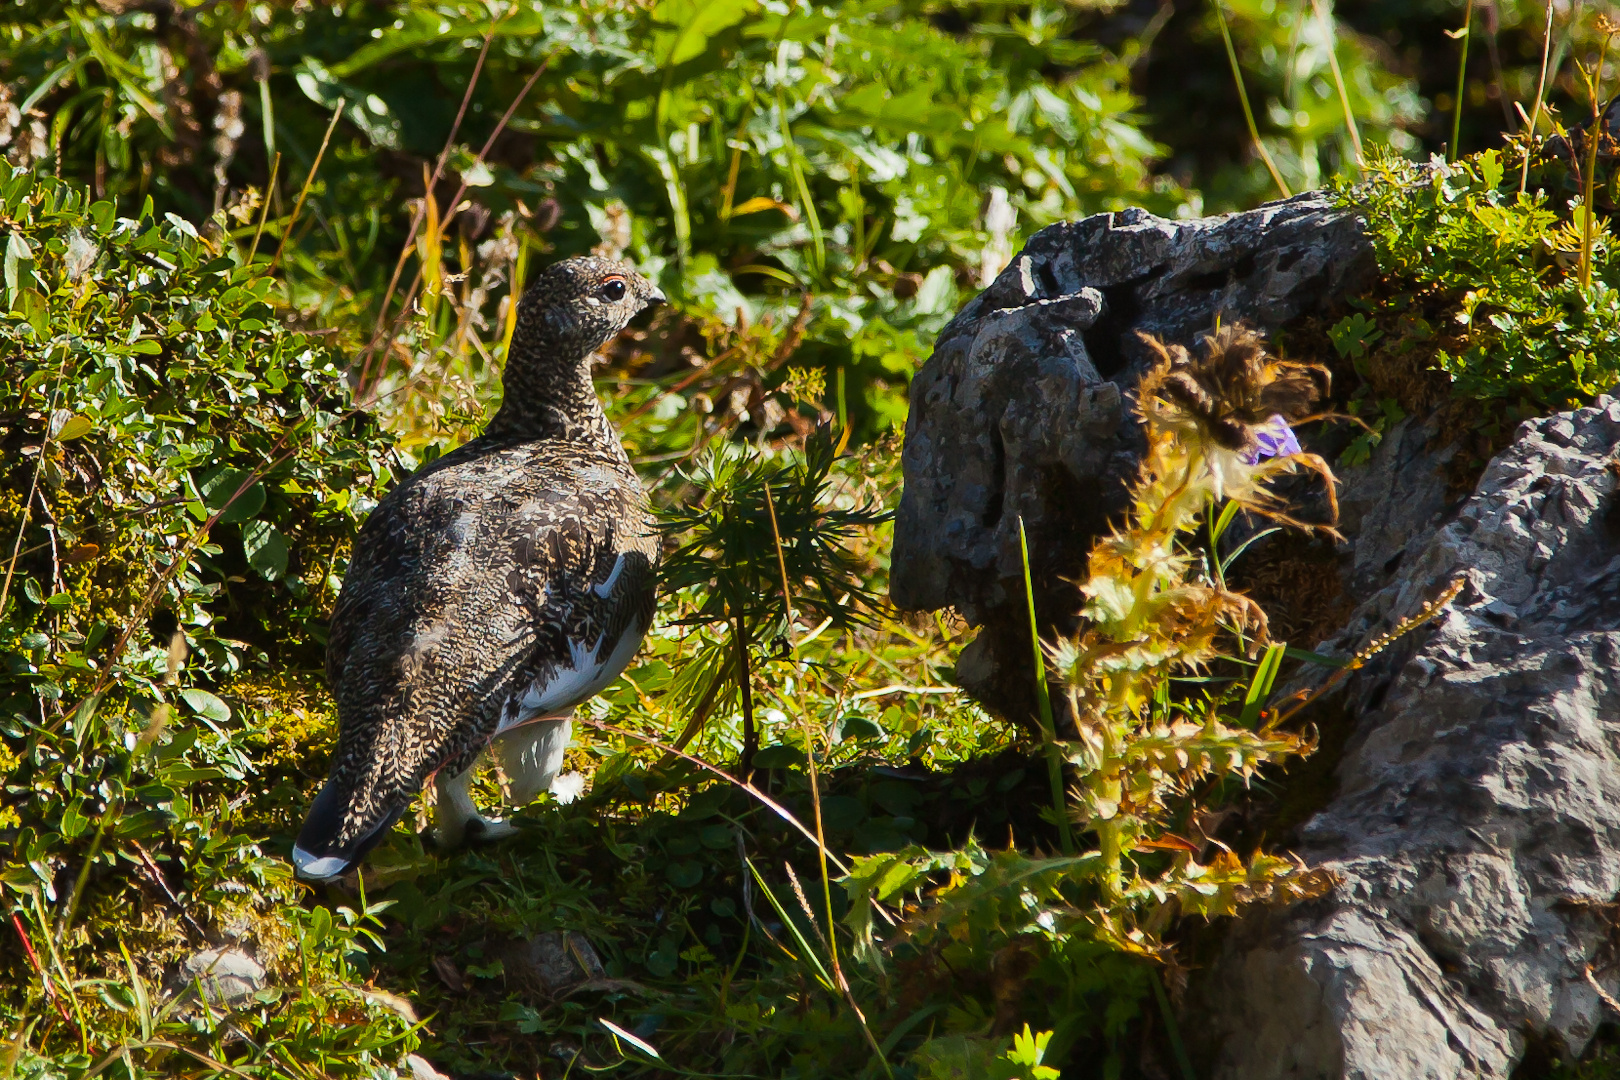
pixel 1274 438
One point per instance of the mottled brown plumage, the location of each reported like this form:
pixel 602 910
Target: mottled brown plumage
pixel 497 586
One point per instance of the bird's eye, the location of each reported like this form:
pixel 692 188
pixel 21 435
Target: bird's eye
pixel 613 290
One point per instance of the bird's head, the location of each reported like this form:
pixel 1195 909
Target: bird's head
pixel 572 309
pixel 578 304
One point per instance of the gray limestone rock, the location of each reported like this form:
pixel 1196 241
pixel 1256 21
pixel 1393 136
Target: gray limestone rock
pixel 1392 504
pixel 553 963
pixel 1022 411
pixel 227 976
pixel 1476 826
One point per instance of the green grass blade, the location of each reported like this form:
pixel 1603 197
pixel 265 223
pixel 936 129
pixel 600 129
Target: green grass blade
pixel 1228 512
pixel 1462 79
pixel 1315 658
pixel 1227 562
pixel 1172 1030
pixel 808 954
pixel 1043 701
pixel 1260 686
pixel 1243 99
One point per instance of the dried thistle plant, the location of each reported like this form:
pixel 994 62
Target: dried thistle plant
pixel 1218 430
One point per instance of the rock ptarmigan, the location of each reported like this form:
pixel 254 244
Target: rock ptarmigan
pixel 493 590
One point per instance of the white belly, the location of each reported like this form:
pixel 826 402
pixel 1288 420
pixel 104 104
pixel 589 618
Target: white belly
pixel 587 674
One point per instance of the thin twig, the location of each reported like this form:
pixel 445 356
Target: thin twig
pixel 39 969
pixel 438 170
pixel 303 193
pixel 264 208
pixel 1243 98
pixel 155 875
pixel 33 486
pixel 776 807
pixel 690 378
pixel 365 358
pixel 1541 97
pixel 181 558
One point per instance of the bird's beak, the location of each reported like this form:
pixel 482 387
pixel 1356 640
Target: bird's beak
pixel 656 297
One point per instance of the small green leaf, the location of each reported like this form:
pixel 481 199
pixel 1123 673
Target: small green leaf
pixel 218 485
pixel 205 704
pixel 684 874
pixel 855 726
pixel 74 427
pixel 73 820
pixel 17 252
pixel 266 548
pixel 778 757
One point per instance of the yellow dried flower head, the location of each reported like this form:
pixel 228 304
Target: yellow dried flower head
pixel 1231 390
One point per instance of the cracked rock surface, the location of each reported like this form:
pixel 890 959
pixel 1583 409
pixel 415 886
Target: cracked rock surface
pixel 227 976
pixel 1476 825
pixel 1022 411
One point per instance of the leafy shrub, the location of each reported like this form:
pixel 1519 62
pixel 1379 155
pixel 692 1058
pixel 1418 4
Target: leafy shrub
pixel 853 158
pixel 1480 296
pixel 181 479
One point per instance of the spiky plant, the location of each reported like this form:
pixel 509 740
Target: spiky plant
pixel 1217 426
pixel 1217 430
pixel 729 558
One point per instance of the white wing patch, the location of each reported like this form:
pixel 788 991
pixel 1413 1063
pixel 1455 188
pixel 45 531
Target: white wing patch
pixel 584 677
pixel 318 869
pixel 605 589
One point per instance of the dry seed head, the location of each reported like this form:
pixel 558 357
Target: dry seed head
pixel 1231 388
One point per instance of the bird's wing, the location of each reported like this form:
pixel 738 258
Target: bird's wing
pixel 471 585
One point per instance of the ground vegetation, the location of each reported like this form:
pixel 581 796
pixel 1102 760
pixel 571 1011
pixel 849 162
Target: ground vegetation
pixel 259 261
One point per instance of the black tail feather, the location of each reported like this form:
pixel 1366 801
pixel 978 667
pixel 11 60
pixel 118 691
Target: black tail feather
pixel 318 855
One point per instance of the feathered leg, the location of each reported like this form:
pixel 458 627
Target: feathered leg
pixel 455 817
pixel 531 755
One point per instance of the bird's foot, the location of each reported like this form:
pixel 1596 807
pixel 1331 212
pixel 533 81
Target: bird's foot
pixel 456 820
pixel 451 832
pixel 481 830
